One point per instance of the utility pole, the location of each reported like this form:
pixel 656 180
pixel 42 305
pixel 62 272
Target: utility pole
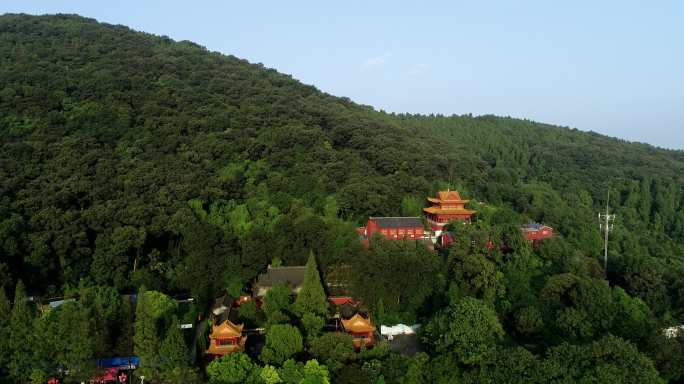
pixel 606 221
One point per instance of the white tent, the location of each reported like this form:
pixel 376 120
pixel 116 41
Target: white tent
pixel 399 329
pixel 672 332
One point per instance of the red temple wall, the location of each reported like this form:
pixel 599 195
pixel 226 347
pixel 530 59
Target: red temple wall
pixel 394 233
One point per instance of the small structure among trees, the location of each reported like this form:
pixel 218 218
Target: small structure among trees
pixel 292 276
pixel 226 338
pixel 536 232
pixel 361 330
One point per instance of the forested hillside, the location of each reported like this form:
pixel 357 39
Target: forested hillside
pixel 129 160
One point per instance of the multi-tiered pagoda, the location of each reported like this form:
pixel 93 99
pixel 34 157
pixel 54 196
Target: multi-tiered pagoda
pixel 445 208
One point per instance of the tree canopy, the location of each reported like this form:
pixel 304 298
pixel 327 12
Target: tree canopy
pixel 134 166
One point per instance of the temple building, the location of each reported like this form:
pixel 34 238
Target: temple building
pixel 535 232
pixel 361 330
pixel 394 228
pixel 445 208
pixel 226 338
pixel 291 276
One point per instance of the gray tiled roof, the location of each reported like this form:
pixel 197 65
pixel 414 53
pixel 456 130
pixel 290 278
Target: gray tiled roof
pixel 222 310
pixel 294 276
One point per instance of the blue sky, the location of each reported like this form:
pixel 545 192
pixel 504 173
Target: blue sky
pixel 614 67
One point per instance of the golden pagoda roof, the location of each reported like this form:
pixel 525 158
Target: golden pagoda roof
pixel 358 324
pixel 450 196
pixel 449 211
pixel 226 330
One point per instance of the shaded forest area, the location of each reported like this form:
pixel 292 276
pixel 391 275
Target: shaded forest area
pixel 129 160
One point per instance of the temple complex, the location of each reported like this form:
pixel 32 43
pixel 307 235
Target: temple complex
pixel 445 208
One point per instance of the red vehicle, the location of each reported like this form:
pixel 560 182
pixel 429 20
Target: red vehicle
pixel 111 375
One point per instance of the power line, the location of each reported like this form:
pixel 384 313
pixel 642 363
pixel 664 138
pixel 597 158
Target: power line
pixel 606 222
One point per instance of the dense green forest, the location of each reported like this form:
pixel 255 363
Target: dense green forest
pixel 131 163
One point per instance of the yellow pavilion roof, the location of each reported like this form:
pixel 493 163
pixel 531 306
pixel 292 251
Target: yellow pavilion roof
pixel 450 196
pixel 448 211
pixel 358 323
pixel 226 330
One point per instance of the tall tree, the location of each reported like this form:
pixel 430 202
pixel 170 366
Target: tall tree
pixel 146 339
pixel 175 358
pixel 71 339
pixel 400 274
pixel 417 371
pixel 311 299
pixel 109 312
pixel 282 342
pixel 478 277
pixel 21 335
pixel 233 369
pixel 577 308
pixel 291 372
pixel 210 260
pixel 333 349
pixel 608 360
pixel 315 373
pixel 269 375
pixel 505 365
pixel 312 325
pixel 468 329
pixel 115 255
pixel 277 305
pixel 5 316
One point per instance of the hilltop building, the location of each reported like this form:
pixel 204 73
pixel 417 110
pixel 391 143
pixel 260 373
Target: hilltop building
pixel 448 206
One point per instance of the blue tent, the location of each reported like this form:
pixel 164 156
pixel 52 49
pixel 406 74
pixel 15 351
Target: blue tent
pixel 128 362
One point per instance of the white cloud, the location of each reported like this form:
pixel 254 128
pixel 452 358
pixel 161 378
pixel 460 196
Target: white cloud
pixel 418 69
pixel 375 62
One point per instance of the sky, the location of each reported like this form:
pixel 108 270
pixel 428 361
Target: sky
pixel 613 67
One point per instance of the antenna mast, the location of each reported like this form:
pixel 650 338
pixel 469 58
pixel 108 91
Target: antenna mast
pixel 606 222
